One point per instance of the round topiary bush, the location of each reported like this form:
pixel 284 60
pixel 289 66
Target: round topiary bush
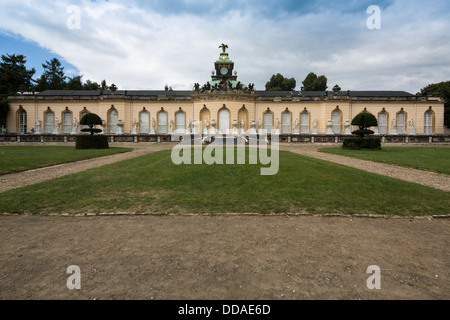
pixel 364 120
pixel 92 142
pixel 91 120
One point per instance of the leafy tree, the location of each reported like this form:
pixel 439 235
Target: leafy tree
pixel 89 85
pixel 14 77
pixel 91 120
pixel 53 77
pixel 440 89
pixel 104 86
pixel 313 82
pixel 279 83
pixel 364 121
pixel 74 83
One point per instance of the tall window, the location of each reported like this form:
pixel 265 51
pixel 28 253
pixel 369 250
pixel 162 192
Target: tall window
pixel 286 122
pixel 49 121
pixel 268 119
pixel 304 123
pixel 382 123
pixel 144 122
pixel 336 119
pixel 401 118
pixel 180 122
pixel 113 119
pixel 162 122
pixel 22 122
pixel 67 122
pixel 224 121
pixel 428 123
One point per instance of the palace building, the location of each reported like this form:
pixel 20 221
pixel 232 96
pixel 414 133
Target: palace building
pixel 223 105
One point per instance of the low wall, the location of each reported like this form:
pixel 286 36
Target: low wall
pixel 284 138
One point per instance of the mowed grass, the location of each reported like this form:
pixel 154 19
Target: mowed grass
pixel 426 158
pixel 19 158
pixel 153 184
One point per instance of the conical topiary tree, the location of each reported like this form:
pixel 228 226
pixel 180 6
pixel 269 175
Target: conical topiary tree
pixel 91 120
pixel 364 121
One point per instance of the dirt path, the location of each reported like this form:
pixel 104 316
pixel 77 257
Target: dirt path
pixel 426 178
pixel 223 257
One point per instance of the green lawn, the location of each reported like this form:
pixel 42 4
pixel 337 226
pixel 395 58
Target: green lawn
pixel 427 158
pixel 152 183
pixel 18 158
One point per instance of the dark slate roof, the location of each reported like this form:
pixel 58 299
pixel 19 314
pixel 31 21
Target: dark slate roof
pixel 378 93
pixel 262 93
pixel 69 93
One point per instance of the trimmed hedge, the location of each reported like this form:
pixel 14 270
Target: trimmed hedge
pixel 92 142
pixel 362 143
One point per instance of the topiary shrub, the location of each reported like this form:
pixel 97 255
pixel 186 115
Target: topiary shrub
pixel 92 142
pixel 362 143
pixel 91 120
pixel 364 121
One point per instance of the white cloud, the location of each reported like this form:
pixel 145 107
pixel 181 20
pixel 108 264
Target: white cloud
pixel 138 48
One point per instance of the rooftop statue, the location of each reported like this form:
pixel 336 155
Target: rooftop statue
pixel 224 47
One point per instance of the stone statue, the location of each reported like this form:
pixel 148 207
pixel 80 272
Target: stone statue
pixel 259 124
pixel 38 126
pixel 224 47
pixel 134 130
pixel 411 123
pixel 56 128
pixel 330 127
pixel 74 126
pixel 393 123
pixel 315 124
pixel 170 126
pixel 347 127
pixel 152 127
pixel 242 123
pixel 277 124
pixel 206 123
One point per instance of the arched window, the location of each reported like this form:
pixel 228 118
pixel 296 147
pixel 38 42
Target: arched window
pixel 428 122
pixel 224 121
pixel 112 121
pixel 268 121
pixel 67 121
pixel 304 122
pixel 286 122
pixel 49 118
pixel 162 122
pixel 401 120
pixel 144 122
pixel 336 120
pixel 180 122
pixel 22 121
pixel 382 122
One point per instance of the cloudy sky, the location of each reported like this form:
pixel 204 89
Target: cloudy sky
pixel 147 44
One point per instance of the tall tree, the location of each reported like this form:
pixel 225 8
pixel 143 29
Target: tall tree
pixel 74 83
pixel 53 77
pixel 89 85
pixel 14 77
pixel 313 82
pixel 440 89
pixel 279 83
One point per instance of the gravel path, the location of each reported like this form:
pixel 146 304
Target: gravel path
pixel 25 178
pixel 426 178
